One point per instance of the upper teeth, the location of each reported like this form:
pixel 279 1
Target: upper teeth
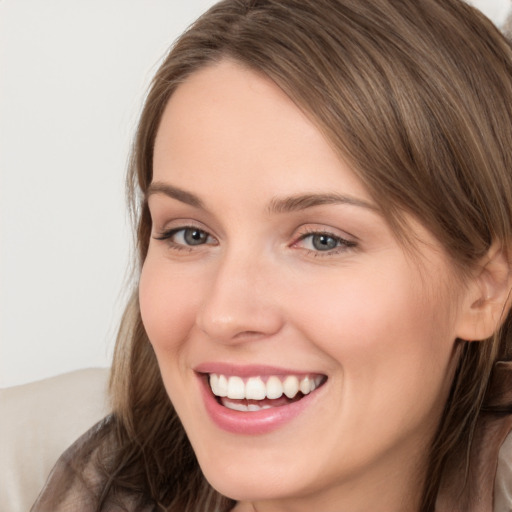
pixel 255 388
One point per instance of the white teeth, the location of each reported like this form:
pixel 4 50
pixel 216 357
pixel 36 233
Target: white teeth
pixel 291 386
pixel 214 383
pixel 255 389
pixel 236 388
pixel 222 386
pixel 254 407
pixel 305 386
pixel 219 385
pixel 236 406
pixel 274 388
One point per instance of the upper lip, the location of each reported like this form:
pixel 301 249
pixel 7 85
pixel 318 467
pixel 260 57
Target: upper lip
pixel 253 370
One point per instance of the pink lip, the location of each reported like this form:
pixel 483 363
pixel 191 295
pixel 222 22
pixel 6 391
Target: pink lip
pixel 255 422
pixel 229 369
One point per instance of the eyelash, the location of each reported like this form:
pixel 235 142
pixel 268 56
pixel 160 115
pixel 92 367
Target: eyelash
pixel 342 243
pixel 167 236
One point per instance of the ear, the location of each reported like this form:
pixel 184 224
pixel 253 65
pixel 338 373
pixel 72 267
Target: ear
pixel 487 299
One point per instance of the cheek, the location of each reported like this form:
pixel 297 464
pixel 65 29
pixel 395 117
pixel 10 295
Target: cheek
pixel 361 309
pixel 167 303
pixel 391 342
pixel 361 312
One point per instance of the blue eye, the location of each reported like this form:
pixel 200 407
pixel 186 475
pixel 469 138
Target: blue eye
pixel 187 236
pixel 193 236
pixel 324 242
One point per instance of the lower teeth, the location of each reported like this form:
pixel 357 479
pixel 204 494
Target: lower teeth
pixel 257 405
pixel 240 406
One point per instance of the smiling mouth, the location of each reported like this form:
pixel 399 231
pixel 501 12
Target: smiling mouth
pixel 257 393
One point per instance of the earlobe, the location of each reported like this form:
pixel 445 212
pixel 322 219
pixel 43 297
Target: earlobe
pixel 488 295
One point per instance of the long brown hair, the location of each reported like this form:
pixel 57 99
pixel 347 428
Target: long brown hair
pixel 417 97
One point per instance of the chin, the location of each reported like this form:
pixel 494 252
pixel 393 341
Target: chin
pixel 253 486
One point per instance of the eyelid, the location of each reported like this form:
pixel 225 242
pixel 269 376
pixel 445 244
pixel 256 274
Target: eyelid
pixel 164 225
pixel 344 242
pixel 320 229
pixel 167 234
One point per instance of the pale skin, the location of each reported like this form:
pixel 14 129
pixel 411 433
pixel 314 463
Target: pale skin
pixel 232 156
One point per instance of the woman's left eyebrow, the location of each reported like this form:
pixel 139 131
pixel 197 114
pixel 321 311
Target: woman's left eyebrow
pixel 304 201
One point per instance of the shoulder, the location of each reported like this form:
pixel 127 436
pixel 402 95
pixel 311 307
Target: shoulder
pixel 498 433
pixel 503 481
pixel 77 481
pixel 479 477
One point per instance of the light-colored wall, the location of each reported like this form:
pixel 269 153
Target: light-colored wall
pixel 72 77
pixel 496 10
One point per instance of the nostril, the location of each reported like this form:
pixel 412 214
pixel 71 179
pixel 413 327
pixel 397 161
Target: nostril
pixel 249 334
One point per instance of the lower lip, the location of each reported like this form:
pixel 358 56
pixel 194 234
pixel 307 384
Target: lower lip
pixel 253 422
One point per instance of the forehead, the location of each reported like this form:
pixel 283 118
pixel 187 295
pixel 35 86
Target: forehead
pixel 227 119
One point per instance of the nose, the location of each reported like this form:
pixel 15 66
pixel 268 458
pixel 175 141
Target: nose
pixel 241 303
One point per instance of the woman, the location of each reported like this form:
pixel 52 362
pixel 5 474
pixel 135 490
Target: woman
pixel 323 202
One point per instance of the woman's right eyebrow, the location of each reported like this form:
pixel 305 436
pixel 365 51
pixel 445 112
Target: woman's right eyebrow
pixel 159 187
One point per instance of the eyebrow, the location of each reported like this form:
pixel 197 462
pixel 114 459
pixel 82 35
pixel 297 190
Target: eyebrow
pixel 294 203
pixel 173 192
pixel 305 201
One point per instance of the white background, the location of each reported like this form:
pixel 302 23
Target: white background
pixel 73 74
pixel 72 78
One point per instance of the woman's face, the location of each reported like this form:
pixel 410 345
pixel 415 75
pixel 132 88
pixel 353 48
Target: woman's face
pixel 270 270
